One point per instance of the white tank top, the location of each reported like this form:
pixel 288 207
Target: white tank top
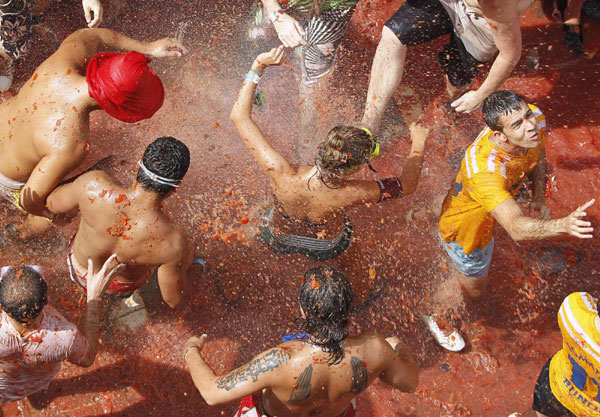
pixel 473 30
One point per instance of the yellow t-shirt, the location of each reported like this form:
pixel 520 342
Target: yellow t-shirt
pixel 575 370
pixel 487 177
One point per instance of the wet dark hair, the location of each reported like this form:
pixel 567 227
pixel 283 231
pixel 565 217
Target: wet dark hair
pixel 500 103
pixel 345 147
pixel 166 157
pixel 22 293
pixel 325 297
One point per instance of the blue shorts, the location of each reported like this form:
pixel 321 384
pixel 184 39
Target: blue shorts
pixel 475 264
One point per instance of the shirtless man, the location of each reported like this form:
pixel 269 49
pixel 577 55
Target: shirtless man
pixel 495 166
pixel 479 29
pixel 311 198
pixel 45 128
pixel 35 338
pixel 315 374
pixel 129 222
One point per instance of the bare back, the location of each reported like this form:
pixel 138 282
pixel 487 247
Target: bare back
pixel 305 197
pixel 295 378
pixel 48 117
pixel 310 387
pixel 112 221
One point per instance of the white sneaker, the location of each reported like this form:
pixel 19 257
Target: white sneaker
pixel 451 341
pixel 516 415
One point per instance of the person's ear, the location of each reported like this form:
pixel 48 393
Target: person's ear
pixel 499 136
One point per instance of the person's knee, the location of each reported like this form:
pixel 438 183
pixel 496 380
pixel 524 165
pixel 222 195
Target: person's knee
pixel 390 42
pixel 473 286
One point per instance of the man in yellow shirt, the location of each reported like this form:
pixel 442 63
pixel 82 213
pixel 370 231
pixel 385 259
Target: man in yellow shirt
pixel 569 383
pixel 495 166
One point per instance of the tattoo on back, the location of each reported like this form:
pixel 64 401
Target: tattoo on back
pixel 360 379
pixel 260 365
pixel 303 388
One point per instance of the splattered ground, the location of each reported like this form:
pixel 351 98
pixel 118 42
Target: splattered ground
pixel 247 298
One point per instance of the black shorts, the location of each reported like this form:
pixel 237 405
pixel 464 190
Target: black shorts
pixel 543 400
pixel 421 21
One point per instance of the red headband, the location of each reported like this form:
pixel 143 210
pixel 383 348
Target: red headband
pixel 124 86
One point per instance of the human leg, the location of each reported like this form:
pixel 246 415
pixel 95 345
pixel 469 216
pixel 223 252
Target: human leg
pixel 386 74
pixel 572 27
pixel 416 22
pixel 468 279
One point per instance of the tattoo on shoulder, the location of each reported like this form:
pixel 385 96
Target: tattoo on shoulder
pixel 360 379
pixel 251 371
pixel 303 387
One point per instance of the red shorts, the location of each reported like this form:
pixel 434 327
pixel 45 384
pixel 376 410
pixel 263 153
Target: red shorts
pixel 79 273
pixel 249 407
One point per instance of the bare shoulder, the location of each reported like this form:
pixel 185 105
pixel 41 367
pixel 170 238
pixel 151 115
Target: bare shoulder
pixel 176 242
pixel 371 341
pixel 501 11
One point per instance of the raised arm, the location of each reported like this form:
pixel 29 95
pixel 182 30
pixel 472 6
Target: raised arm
pixel 411 173
pixel 520 227
pixel 270 161
pixel 260 372
pixel 288 29
pixel 173 275
pixel 45 177
pixel 92 8
pixel 90 326
pixel 101 40
pixel 401 369
pixel 538 179
pixel 506 30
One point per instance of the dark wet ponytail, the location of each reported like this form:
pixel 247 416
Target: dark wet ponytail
pixel 325 297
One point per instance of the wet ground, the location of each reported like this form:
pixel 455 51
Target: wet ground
pixel 247 298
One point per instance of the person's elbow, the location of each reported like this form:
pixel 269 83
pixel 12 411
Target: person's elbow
pixel 174 297
pixel 173 300
pixel 87 361
pixel 210 394
pixel 516 233
pixel 413 381
pixel 237 116
pixel 409 188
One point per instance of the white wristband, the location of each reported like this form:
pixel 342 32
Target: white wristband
pixel 253 78
pixel 274 17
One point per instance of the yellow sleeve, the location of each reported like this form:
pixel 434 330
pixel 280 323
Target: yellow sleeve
pixel 488 189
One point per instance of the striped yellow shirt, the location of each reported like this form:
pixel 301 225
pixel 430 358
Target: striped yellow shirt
pixel 487 177
pixel 575 370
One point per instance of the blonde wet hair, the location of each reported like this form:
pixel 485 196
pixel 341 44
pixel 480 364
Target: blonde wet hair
pixel 346 147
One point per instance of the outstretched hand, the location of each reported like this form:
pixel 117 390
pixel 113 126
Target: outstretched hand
pixel 273 57
pixel 577 227
pixel 98 283
pixel 468 102
pixel 290 32
pixel 166 47
pixel 92 7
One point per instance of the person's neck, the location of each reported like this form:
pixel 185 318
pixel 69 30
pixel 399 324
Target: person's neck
pixel 87 103
pixel 144 198
pixel 25 329
pixel 508 147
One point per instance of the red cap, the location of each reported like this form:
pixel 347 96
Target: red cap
pixel 124 86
